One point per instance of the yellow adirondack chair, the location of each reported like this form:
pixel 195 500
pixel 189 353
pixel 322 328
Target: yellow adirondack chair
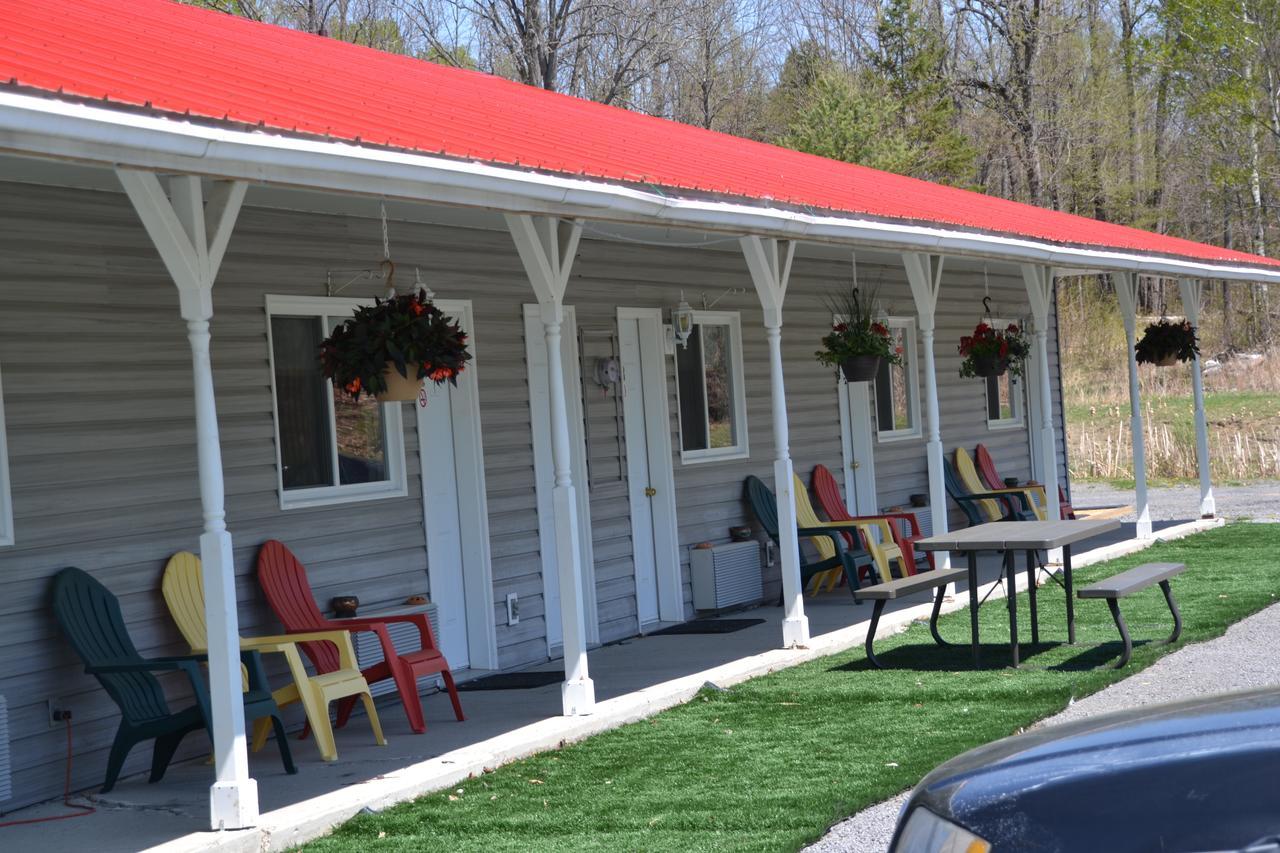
pixel 183 589
pixel 969 476
pixel 882 551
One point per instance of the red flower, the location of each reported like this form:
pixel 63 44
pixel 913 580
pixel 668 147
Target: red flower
pixel 879 329
pixel 981 329
pixel 352 387
pixel 440 374
pixel 1013 329
pixel 840 327
pixel 416 308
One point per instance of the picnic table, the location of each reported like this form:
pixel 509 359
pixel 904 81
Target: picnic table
pixel 1009 537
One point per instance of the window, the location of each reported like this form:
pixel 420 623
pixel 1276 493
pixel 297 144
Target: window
pixel 897 386
pixel 1004 395
pixel 711 402
pixel 6 502
pixel 329 449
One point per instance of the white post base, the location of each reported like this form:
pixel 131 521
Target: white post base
pixel 233 805
pixel 795 632
pixel 937 499
pixel 1208 508
pixel 578 697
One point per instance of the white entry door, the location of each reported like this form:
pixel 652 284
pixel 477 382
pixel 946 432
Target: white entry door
pixel 857 442
pixel 544 468
pixel 455 511
pixel 650 482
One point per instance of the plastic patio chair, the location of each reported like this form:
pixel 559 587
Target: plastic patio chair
pixel 987 469
pixel 969 476
pixel 883 550
pixel 904 525
pixel 90 617
pixel 981 507
pixel 284 581
pixel 183 590
pixel 843 557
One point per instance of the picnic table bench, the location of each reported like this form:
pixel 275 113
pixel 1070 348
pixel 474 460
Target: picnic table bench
pixel 883 593
pixel 1134 580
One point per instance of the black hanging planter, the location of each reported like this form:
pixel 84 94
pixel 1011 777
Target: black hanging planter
pixel 860 368
pixel 989 365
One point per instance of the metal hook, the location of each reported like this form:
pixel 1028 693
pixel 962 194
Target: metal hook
pixel 986 304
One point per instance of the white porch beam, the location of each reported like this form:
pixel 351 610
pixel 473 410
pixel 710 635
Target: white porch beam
pixel 1039 282
pixel 1126 285
pixel 924 274
pixel 769 261
pixel 192 252
pixel 1192 292
pixel 547 247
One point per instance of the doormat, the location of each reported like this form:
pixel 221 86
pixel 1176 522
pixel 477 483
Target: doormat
pixel 514 681
pixel 708 626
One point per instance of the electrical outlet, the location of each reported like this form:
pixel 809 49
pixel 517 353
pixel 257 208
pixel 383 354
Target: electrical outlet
pixel 58 713
pixel 513 609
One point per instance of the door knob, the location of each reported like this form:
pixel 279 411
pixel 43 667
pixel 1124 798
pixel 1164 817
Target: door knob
pixel 855 465
pixel 650 492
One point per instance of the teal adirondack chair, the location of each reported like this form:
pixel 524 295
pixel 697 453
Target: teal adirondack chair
pixel 979 507
pixel 90 617
pixel 851 560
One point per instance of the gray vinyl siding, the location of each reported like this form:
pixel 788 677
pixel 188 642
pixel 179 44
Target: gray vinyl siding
pixel 102 437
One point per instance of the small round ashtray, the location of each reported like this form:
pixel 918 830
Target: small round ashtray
pixel 919 499
pixel 344 606
pixel 1011 482
pixel 740 534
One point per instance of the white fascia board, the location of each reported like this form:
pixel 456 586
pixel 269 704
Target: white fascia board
pixel 50 128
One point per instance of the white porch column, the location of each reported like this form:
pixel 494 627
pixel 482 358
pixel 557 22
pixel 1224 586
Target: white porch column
pixel 924 274
pixel 769 261
pixel 547 247
pixel 1039 282
pixel 1126 284
pixel 1192 291
pixel 191 238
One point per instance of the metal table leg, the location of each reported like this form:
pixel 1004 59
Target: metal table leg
pixel 1071 593
pixel 972 560
pixel 1031 593
pixel 1011 584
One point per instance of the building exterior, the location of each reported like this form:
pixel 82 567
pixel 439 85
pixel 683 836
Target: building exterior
pixel 582 454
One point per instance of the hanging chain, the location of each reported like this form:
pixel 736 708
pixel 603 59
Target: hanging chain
pixel 386 241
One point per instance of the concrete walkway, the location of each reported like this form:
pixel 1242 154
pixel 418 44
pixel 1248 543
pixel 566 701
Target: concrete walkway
pixel 1256 501
pixel 1230 662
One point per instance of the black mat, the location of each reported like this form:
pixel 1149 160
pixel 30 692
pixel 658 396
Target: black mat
pixel 514 681
pixel 708 626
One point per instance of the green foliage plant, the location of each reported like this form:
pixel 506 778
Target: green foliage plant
pixel 858 334
pixel 1164 338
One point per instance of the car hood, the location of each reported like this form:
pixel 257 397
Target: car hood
pixel 1195 767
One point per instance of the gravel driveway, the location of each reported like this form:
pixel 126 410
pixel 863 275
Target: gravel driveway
pixel 1230 662
pixel 1259 501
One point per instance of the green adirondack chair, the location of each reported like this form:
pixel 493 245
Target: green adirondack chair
pixel 981 507
pixel 851 560
pixel 90 617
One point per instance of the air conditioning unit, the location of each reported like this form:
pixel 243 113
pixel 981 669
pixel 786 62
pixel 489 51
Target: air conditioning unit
pixel 726 575
pixel 6 766
pixel 405 638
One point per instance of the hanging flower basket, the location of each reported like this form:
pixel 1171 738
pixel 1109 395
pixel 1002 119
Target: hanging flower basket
pixel 860 368
pixel 858 344
pixel 989 364
pixel 993 352
pixel 1165 343
pixel 387 349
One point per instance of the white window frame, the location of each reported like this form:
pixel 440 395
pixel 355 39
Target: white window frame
pixel 7 535
pixel 1017 392
pixel 913 385
pixel 396 485
pixel 739 450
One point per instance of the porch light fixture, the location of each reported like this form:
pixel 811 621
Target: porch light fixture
pixel 682 321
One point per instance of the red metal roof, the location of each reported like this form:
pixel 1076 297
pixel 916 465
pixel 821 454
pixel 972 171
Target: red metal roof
pixel 181 60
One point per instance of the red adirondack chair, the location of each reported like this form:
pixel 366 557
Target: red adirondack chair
pixel 284 581
pixel 828 494
pixel 987 471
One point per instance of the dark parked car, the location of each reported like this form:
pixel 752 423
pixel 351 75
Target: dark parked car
pixel 1192 776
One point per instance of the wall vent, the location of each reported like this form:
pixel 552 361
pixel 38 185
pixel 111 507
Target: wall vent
pixel 6 766
pixel 726 575
pixel 404 636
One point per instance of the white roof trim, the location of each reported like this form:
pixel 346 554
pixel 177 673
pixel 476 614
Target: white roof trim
pixel 50 128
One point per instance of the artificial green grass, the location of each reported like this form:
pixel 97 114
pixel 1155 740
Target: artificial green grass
pixel 771 763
